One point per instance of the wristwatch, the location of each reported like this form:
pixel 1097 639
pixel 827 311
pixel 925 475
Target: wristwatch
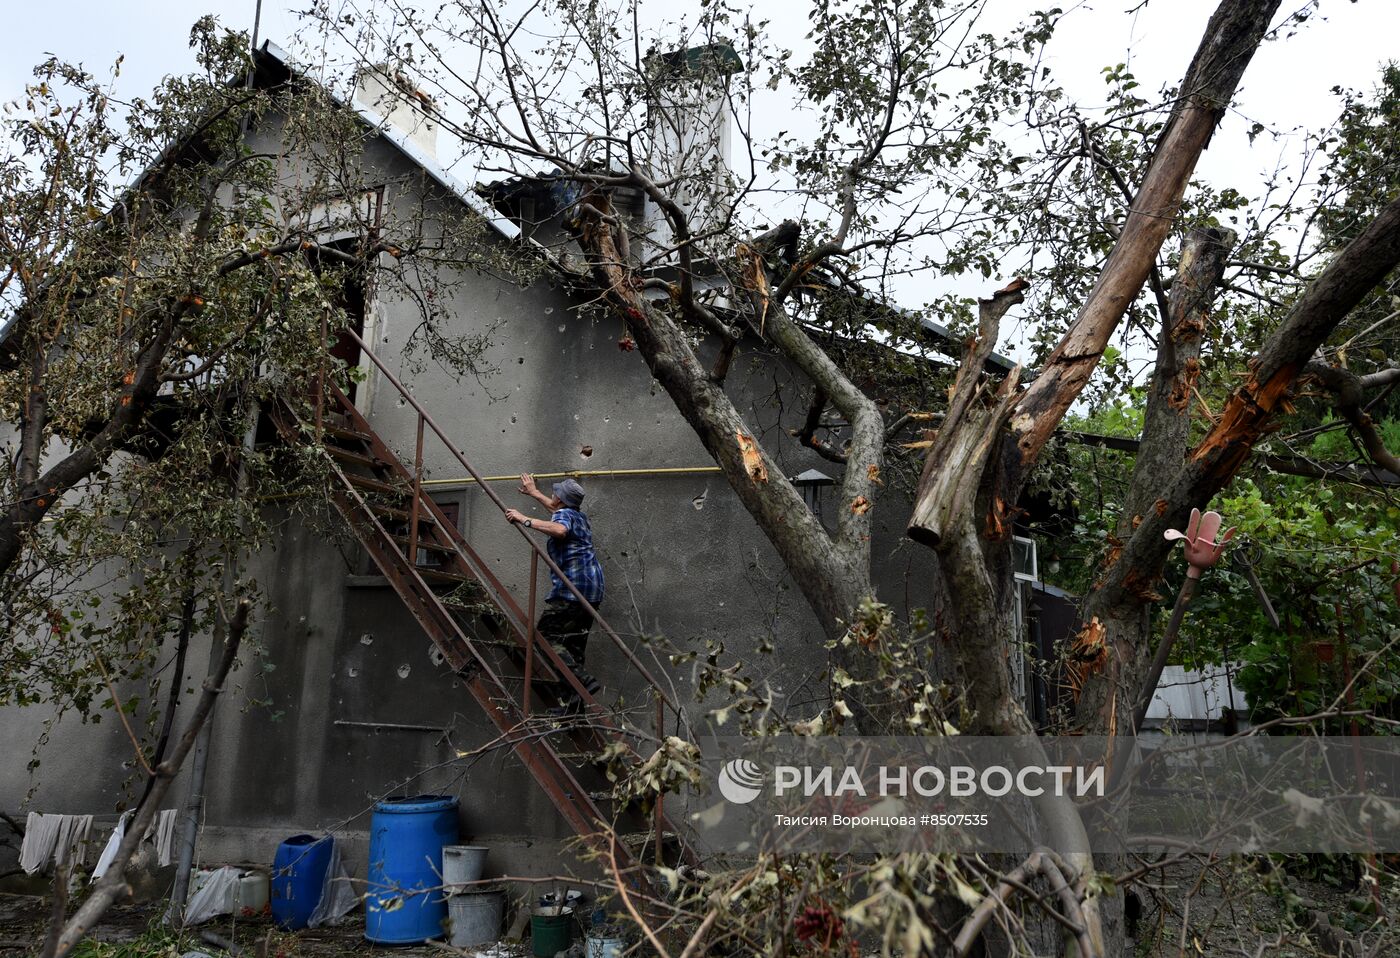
pixel 529 523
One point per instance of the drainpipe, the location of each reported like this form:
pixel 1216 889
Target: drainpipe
pixel 194 799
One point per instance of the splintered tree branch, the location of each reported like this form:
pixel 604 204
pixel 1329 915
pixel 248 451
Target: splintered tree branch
pixel 1351 275
pixel 956 461
pixel 113 884
pixel 833 571
pixel 1167 420
pixel 1229 44
pixel 1247 415
pixel 760 485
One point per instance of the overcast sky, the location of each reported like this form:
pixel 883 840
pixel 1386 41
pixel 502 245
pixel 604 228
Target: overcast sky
pixel 1287 87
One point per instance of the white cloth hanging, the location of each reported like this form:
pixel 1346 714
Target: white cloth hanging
pixel 162 832
pixel 109 851
pixel 61 839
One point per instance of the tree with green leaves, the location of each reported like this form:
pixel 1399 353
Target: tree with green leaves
pixel 908 164
pixel 164 278
pixel 165 281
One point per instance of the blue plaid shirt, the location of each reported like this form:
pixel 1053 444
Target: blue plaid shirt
pixel 574 554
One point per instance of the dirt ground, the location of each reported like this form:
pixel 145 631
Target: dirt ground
pixel 1233 912
pixel 24 918
pixel 1183 913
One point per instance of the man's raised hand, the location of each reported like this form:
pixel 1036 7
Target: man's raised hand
pixel 527 484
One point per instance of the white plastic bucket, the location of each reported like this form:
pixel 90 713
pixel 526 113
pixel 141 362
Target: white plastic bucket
pixel 462 864
pixel 604 947
pixel 475 917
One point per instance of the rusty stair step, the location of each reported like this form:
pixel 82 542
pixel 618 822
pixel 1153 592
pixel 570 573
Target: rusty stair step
pixel 375 485
pixel 358 458
pixel 405 515
pixel 344 432
pixel 440 577
pixel 639 840
pixel 496 643
pixel 471 612
pixel 426 544
pixel 538 681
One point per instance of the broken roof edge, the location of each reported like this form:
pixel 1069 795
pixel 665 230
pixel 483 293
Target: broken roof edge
pixel 994 361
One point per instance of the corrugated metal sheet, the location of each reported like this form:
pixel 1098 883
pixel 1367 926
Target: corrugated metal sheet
pixel 1195 696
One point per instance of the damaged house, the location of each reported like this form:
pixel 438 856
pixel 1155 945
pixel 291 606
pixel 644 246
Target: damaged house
pixel 398 619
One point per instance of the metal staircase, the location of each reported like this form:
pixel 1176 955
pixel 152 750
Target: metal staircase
pixel 482 631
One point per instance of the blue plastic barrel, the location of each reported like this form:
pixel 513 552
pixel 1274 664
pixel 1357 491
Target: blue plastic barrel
pixel 405 902
pixel 298 875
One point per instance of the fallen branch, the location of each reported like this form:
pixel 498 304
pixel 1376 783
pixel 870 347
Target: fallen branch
pixel 219 941
pixel 1347 388
pixel 982 914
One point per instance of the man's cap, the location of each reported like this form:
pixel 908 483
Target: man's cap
pixel 569 492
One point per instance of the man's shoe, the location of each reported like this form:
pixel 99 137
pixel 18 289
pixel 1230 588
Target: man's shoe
pixel 566 710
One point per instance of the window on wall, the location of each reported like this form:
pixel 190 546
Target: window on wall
pixel 1025 566
pixel 346 225
pixel 348 296
pixel 431 558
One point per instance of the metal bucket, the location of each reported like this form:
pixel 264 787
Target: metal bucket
pixel 475 917
pixel 551 931
pixel 462 865
pixel 604 946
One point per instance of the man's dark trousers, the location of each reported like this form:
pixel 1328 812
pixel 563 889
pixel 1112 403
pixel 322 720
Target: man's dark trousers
pixel 565 626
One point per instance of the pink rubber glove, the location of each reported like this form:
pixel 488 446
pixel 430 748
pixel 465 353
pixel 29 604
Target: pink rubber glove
pixel 1202 551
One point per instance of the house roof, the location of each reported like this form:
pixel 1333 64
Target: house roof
pixel 271 55
pixel 405 145
pixel 995 363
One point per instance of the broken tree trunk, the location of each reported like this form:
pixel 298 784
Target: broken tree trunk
pixel 1165 440
pixel 1247 415
pixel 1232 36
pixel 984 635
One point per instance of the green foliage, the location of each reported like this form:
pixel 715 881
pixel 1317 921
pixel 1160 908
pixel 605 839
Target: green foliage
pixel 169 267
pixel 1323 557
pixel 158 940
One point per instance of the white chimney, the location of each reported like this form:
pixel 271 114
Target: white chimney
pixel 394 98
pixel 689 125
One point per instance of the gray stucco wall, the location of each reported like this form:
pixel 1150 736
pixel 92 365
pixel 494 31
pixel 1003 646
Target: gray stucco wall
pixel 682 559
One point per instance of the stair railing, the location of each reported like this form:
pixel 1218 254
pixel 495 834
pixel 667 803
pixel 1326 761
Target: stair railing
pixel 537 553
